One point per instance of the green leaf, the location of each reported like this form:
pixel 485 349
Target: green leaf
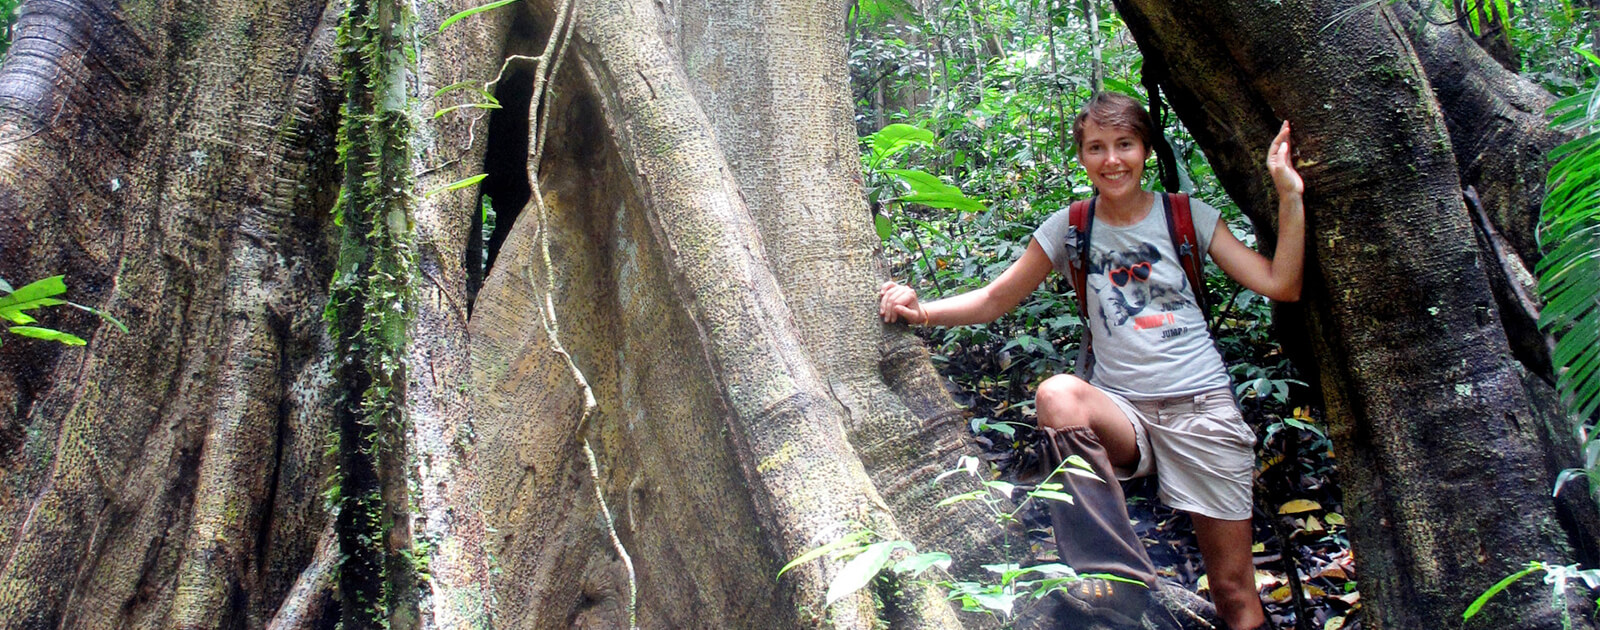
pixel 467 85
pixel 852 538
pixel 952 201
pixel 915 565
pixel 471 12
pixel 47 334
pixel 14 312
pixel 965 496
pixel 102 314
pixel 38 289
pixel 861 569
pixel 1112 577
pixel 1118 85
pixel 1005 489
pixel 442 112
pixel 456 185
pixel 922 182
pixel 893 139
pixel 884 226
pixel 1052 495
pixel 1478 603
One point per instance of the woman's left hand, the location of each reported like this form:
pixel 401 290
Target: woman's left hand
pixel 1280 162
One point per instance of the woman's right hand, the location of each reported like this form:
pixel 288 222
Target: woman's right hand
pixel 897 301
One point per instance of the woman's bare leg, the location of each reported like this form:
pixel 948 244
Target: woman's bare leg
pixel 1225 547
pixel 1065 401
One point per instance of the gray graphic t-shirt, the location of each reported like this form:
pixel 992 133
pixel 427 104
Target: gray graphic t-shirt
pixel 1150 338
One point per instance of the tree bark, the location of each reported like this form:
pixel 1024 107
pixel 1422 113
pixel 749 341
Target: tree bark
pixel 1497 122
pixel 1424 403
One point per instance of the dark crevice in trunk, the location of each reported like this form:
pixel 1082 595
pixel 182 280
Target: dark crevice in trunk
pixel 506 190
pixel 288 366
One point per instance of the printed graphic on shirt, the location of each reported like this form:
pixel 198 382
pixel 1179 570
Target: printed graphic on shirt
pixel 1138 287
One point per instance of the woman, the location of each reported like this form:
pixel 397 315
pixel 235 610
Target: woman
pixel 1158 398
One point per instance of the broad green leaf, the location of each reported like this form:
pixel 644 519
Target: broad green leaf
pixel 853 538
pixel 471 12
pixel 922 182
pixel 915 565
pixel 47 287
pixel 48 334
pixel 893 139
pixel 14 312
pixel 884 227
pixel 952 201
pixel 456 185
pixel 861 569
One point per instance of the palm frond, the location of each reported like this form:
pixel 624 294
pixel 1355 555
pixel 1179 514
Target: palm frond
pixel 1569 275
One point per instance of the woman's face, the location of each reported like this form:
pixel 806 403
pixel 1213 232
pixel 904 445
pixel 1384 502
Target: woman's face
pixel 1114 158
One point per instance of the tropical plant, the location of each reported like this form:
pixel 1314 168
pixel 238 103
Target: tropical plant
pixel 1569 275
pixel 1012 582
pixel 16 303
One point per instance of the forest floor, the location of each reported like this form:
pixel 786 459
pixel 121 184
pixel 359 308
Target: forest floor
pixel 1298 518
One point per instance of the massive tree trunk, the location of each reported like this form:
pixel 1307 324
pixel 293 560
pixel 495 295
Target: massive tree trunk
pixel 1428 410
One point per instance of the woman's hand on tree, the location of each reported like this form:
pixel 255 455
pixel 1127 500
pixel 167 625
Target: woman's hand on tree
pixel 1280 162
pixel 897 301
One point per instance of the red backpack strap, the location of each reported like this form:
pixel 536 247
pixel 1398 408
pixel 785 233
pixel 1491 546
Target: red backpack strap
pixel 1080 219
pixel 1180 224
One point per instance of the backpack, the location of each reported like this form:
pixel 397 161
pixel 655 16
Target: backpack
pixel 1180 226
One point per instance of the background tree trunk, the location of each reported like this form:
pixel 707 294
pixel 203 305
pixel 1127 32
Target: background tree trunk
pixel 1427 408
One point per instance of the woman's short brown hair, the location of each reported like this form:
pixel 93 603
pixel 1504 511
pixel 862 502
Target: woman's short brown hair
pixel 1118 110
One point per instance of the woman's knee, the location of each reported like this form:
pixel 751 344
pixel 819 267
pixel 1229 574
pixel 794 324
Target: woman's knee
pixel 1060 402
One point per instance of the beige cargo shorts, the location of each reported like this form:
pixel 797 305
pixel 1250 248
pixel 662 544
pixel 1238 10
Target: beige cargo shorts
pixel 1199 448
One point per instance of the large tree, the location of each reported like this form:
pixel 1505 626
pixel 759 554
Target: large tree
pixel 670 380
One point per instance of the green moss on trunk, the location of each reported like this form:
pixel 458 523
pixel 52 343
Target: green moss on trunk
pixel 370 308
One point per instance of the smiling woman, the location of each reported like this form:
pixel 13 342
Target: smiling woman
pixel 1155 393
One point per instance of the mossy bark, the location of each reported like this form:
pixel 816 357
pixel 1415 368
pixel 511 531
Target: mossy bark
pixel 370 306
